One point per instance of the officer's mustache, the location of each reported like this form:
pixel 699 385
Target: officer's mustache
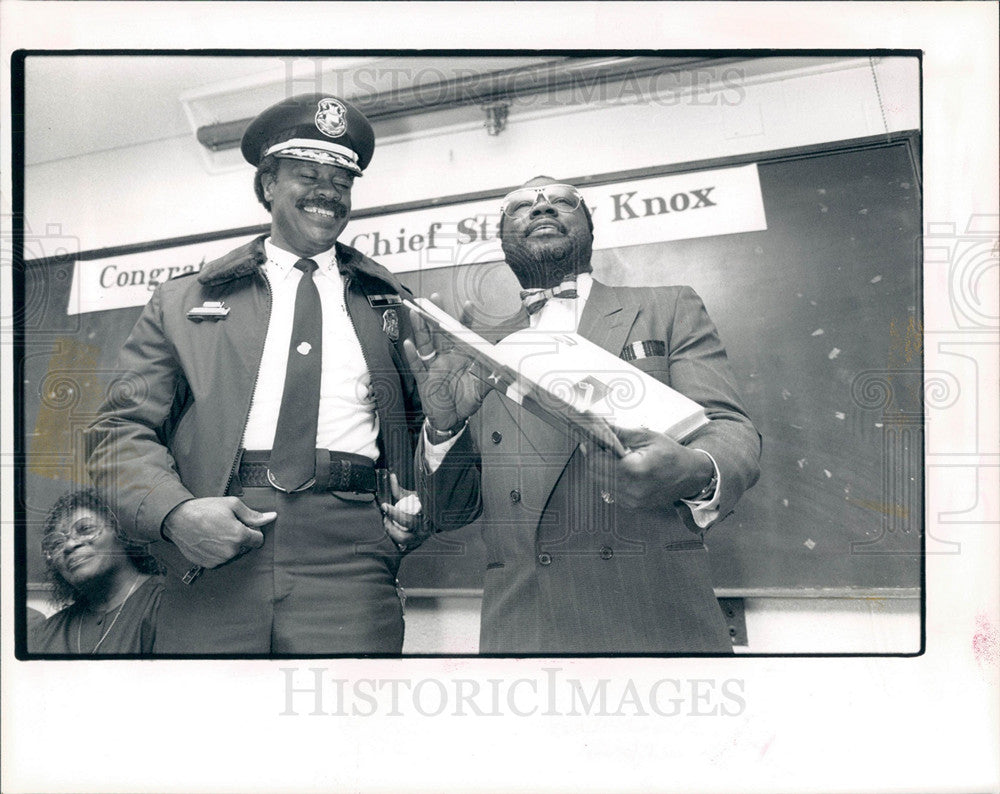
pixel 328 205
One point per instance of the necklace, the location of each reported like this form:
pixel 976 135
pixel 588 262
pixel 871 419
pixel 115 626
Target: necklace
pixel 107 631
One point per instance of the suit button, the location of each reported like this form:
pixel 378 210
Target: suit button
pixel 497 438
pixel 515 496
pixel 544 559
pixel 607 553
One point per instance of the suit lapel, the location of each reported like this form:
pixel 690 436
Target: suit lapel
pixel 605 320
pixel 549 443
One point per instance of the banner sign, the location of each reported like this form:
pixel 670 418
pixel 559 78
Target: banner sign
pixel 634 212
pixel 117 282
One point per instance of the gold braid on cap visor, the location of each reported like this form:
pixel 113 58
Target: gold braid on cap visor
pixel 317 152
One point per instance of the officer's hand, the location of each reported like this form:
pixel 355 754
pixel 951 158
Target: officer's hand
pixel 212 530
pixel 449 391
pixel 655 473
pixel 403 520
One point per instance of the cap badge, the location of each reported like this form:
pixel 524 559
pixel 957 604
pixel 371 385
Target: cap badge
pixel 331 117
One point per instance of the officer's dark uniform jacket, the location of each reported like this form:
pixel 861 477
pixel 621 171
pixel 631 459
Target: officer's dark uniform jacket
pixel 175 414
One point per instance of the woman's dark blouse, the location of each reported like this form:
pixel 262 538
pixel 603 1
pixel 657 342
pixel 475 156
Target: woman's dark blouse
pixel 132 633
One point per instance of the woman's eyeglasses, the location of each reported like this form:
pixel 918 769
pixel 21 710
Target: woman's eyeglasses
pixel 518 203
pixel 54 542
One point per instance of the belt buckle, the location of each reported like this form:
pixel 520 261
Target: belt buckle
pixel 304 487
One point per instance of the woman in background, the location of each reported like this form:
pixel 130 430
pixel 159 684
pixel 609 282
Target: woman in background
pixel 110 584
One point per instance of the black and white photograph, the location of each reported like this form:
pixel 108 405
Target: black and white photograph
pixel 520 393
pixel 711 237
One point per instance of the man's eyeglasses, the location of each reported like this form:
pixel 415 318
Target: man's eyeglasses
pixel 518 203
pixel 54 542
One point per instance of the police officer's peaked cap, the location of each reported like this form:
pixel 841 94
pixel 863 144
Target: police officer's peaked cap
pixel 315 127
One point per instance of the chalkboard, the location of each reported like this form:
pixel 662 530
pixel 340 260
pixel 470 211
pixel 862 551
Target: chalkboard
pixel 821 316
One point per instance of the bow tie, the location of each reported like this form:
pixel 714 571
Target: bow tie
pixel 534 299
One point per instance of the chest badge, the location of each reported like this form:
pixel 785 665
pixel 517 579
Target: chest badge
pixel 209 310
pixel 390 324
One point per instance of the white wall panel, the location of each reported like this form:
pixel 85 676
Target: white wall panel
pixel 163 188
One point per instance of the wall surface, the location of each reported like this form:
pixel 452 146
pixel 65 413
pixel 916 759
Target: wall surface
pixel 162 189
pixel 774 625
pixel 450 625
pixel 165 188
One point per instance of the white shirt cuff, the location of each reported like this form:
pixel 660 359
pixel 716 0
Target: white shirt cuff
pixel 434 453
pixel 706 511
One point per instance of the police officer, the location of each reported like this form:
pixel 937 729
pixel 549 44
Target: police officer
pixel 265 431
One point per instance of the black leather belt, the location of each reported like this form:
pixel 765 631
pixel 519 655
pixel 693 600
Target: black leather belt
pixel 335 471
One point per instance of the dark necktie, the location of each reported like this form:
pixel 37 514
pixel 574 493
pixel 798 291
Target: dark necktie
pixel 293 454
pixel 535 299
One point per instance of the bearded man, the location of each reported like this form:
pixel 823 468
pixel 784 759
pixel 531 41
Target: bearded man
pixel 587 552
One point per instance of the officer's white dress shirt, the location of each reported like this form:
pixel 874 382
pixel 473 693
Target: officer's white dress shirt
pixel 347 418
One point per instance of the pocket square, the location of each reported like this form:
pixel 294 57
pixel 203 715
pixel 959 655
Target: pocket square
pixel 645 349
